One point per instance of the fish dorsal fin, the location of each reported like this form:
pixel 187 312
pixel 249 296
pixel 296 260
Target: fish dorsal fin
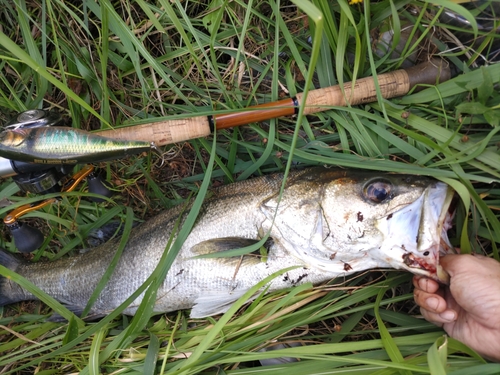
pixel 213 303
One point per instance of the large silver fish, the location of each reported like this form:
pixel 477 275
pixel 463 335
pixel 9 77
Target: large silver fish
pixel 329 222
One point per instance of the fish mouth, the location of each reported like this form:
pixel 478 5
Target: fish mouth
pixel 417 235
pixel 440 246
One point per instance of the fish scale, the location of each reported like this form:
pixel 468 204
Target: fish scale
pixel 328 223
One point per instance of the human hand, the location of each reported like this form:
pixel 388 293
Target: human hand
pixel 469 308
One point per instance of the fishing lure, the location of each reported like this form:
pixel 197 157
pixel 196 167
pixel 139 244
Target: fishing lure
pixel 62 145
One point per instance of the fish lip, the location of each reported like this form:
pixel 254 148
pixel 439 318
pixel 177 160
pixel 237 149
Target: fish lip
pixel 433 269
pixel 420 266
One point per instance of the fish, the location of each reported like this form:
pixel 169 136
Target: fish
pixel 328 223
pixel 64 145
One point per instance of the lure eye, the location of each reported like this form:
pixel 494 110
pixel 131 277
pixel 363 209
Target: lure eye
pixel 378 191
pixel 11 138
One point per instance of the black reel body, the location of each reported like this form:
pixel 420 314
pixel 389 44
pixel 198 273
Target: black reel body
pixel 42 182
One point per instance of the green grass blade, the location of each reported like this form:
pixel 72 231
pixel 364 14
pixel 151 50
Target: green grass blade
pixel 95 348
pixel 21 55
pixel 32 48
pixel 71 331
pixel 386 338
pixel 152 355
pixel 436 355
pixel 111 268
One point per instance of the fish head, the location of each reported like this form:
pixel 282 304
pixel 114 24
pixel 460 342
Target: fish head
pixel 389 220
pixel 417 233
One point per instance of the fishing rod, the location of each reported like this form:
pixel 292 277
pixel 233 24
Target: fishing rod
pixel 39 153
pixel 34 138
pixel 363 90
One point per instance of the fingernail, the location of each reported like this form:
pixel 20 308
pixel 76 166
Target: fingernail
pixel 448 315
pixel 432 302
pixel 422 283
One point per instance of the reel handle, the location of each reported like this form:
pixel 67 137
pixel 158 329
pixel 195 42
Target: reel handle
pixel 97 186
pixel 26 238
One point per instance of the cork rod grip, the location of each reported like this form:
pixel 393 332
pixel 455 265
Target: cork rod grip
pixel 392 85
pixel 163 132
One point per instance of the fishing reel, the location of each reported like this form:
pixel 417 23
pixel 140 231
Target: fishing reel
pixel 40 153
pixel 26 238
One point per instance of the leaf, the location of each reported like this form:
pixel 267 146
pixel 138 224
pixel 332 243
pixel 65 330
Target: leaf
pixel 492 116
pixel 212 20
pixel 472 108
pixel 71 331
pixel 151 355
pixel 388 342
pixel 485 89
pixel 95 348
pixel 453 87
pixel 436 356
pixel 455 345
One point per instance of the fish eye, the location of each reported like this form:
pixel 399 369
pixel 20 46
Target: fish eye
pixel 378 191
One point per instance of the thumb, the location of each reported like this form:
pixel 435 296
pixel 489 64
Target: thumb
pixel 458 263
pixel 454 263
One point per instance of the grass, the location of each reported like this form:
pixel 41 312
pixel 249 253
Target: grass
pixel 109 63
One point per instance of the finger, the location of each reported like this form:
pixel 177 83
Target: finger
pixel 430 301
pixel 431 317
pixel 448 316
pixel 425 284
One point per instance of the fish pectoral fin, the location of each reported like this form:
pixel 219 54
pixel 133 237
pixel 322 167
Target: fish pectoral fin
pixel 217 245
pixel 228 250
pixel 213 303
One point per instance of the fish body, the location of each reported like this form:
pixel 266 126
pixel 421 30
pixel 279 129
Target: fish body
pixel 328 223
pixel 63 145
